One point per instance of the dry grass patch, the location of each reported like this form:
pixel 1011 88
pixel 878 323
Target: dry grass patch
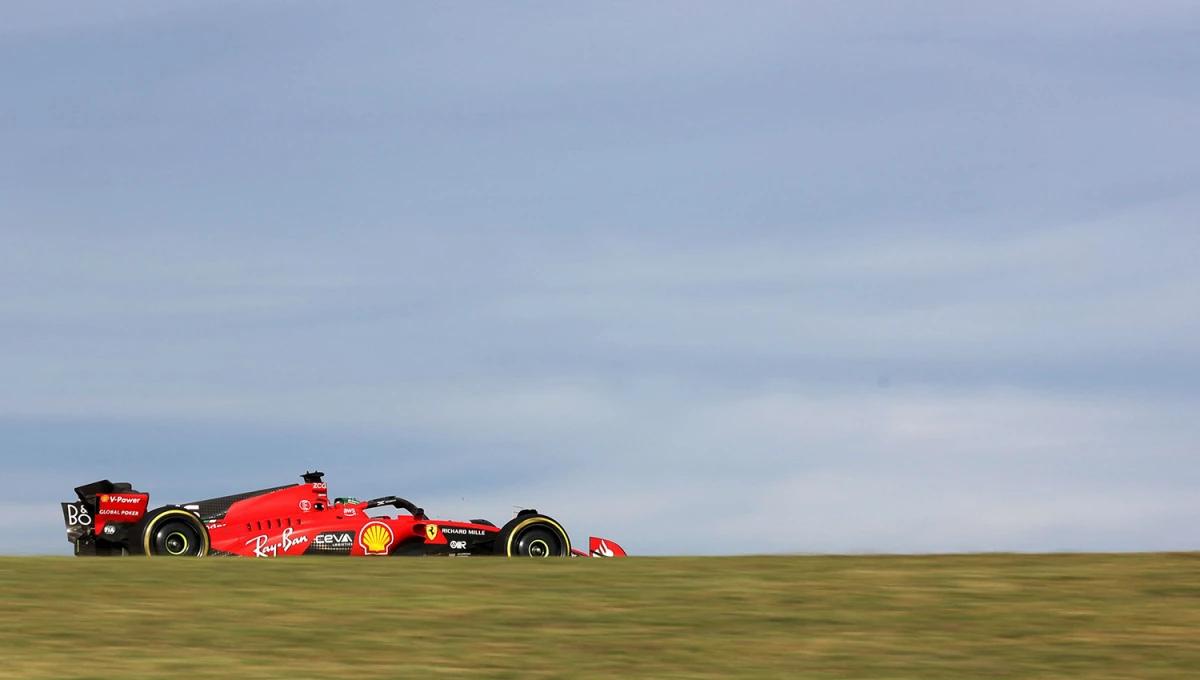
pixel 995 616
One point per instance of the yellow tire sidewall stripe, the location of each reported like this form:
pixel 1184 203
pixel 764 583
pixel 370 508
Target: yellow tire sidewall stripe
pixel 158 518
pixel 537 520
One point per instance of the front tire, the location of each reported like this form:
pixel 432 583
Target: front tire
pixel 533 536
pixel 172 532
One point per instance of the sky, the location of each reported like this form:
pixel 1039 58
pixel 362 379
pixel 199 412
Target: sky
pixel 700 277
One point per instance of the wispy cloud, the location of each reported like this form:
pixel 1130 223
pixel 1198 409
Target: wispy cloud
pixel 829 276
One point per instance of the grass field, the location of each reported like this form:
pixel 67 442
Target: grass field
pixel 985 616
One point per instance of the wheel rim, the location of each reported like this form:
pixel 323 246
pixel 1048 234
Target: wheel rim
pixel 539 541
pixel 176 538
pixel 176 543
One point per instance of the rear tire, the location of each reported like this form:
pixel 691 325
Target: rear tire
pixel 533 536
pixel 172 532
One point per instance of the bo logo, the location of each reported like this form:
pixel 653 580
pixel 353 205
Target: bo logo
pixel 77 514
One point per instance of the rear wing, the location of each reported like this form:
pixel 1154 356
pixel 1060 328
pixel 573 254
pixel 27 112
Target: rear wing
pixel 99 521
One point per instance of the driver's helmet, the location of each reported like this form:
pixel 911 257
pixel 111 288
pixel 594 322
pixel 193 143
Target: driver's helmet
pixel 345 501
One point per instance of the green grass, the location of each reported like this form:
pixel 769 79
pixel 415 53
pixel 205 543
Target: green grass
pixel 980 616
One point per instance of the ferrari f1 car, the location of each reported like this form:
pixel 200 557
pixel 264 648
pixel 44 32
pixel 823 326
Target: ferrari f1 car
pixel 111 518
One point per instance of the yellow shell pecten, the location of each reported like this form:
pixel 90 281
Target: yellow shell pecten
pixel 376 538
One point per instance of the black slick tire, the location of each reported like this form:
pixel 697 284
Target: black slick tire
pixel 533 536
pixel 172 532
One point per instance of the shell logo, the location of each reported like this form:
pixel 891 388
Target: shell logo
pixel 376 538
pixel 104 499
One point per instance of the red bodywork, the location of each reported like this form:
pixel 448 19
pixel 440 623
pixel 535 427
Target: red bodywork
pixel 119 507
pixel 301 519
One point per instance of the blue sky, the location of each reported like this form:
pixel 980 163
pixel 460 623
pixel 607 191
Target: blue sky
pixel 791 277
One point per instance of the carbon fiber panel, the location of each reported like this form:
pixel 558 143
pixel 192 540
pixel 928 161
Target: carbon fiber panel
pixel 215 508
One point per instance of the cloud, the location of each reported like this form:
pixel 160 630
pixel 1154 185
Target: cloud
pixel 825 277
pixel 902 472
pixel 1090 290
pixel 25 19
pixel 719 470
pixel 33 528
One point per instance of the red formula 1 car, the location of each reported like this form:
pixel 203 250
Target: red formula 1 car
pixel 299 519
